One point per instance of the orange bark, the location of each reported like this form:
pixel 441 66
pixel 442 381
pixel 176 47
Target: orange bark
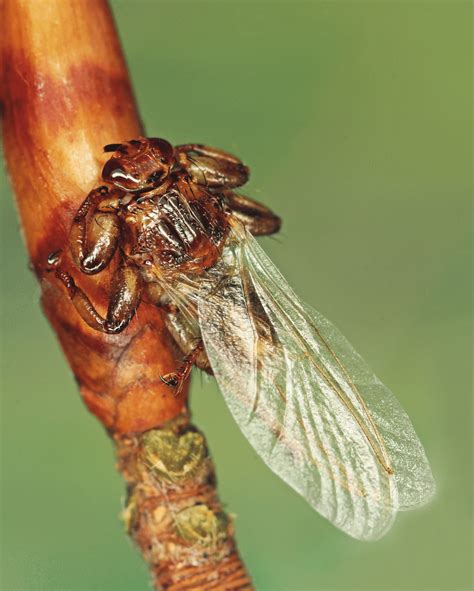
pixel 66 94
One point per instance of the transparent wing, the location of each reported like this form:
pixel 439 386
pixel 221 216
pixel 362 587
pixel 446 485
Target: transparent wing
pixel 304 398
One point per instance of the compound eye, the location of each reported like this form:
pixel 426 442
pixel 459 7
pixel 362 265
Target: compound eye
pixel 162 148
pixel 115 174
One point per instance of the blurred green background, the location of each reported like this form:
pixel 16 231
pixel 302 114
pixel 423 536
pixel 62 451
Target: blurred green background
pixel 355 119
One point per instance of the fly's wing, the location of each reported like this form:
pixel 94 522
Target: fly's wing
pixel 305 399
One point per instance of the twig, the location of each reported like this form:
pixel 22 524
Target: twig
pixel 65 94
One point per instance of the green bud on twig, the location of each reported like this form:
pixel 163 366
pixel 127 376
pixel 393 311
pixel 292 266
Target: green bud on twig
pixel 199 525
pixel 173 457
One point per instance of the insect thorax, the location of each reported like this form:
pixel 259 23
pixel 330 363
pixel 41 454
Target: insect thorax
pixel 179 232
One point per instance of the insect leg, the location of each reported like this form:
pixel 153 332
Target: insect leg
pixel 95 230
pixel 176 379
pixel 124 300
pixel 257 218
pixel 211 167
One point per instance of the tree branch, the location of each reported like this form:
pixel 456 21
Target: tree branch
pixel 65 94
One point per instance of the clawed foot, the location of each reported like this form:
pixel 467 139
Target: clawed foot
pixel 170 379
pixel 53 265
pixel 53 260
pixel 174 380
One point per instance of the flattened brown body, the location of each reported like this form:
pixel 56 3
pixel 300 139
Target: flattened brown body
pixel 166 211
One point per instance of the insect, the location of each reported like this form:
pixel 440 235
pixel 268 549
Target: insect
pixel 304 398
